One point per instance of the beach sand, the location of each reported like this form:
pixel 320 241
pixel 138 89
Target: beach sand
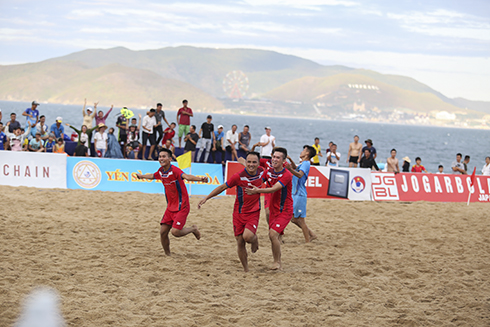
pixel 374 264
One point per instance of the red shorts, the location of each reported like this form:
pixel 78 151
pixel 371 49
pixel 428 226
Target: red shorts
pixel 249 220
pixel 267 199
pixel 278 221
pixel 176 219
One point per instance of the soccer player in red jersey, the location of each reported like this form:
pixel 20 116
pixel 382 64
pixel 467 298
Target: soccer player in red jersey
pixel 177 199
pixel 279 183
pixel 246 212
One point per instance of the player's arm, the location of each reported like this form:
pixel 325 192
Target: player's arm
pixel 26 114
pixel 192 178
pixel 145 176
pixel 213 193
pixel 242 161
pixel 254 146
pixel 255 190
pixel 292 165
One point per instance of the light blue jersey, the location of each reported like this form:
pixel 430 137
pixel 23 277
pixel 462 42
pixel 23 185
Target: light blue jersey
pixel 299 184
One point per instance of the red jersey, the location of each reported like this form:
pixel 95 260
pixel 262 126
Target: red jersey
pixel 175 190
pixel 167 136
pixel 417 169
pixel 184 119
pixel 245 203
pixel 281 200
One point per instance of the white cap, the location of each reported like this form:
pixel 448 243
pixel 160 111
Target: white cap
pixel 59 119
pixel 220 126
pixel 268 127
pixel 90 109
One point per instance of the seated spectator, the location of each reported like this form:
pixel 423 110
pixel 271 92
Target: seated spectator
pixel 367 161
pixel 440 169
pixel 36 144
pixel 169 146
pixel 113 146
pixel 418 168
pixel 231 141
pixel 218 145
pixel 169 133
pixel 133 135
pixel 50 143
pixel 13 124
pixel 59 147
pixel 486 167
pixel 190 141
pixel 3 138
pixel 81 150
pixel 42 128
pixel 17 137
pixel 100 141
pixel 406 165
pixel 57 128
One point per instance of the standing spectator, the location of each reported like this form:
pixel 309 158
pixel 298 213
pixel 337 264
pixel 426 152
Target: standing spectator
pixel 367 161
pixel 190 142
pixel 32 116
pixel 465 163
pixel 57 128
pixel 101 118
pixel 88 116
pixel 184 121
pixel 59 147
pixel 1 116
pixel 169 133
pixel 333 156
pixel 84 135
pixel 406 165
pixel 50 143
pixel 159 115
pixel 267 143
pixel 218 144
pixel 3 138
pixel 113 146
pixel 149 121
pixel 486 167
pixel 244 139
pixel 133 138
pixel 457 166
pixel 441 169
pixel 355 152
pixel 315 161
pixel 329 146
pixel 122 124
pixel 231 141
pixel 17 137
pixel 392 163
pixel 13 124
pixel 418 168
pixel 207 138
pixel 36 144
pixel 369 146
pixel 42 128
pixel 100 141
pixel 169 146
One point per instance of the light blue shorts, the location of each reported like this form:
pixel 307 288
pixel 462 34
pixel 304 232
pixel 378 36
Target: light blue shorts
pixel 299 205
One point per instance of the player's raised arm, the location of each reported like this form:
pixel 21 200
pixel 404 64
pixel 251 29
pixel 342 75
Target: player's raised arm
pixel 213 193
pixel 192 178
pixel 145 176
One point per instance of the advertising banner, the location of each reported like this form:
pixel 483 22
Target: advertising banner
pixel 118 175
pixel 44 170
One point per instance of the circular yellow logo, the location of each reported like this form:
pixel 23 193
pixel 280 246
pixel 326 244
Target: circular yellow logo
pixel 87 174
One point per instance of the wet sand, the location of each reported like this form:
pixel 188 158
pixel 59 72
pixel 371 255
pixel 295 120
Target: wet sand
pixel 374 264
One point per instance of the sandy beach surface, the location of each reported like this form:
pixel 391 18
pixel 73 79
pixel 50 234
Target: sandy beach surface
pixel 374 264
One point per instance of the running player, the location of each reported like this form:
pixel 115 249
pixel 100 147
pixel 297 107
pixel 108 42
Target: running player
pixel 246 212
pixel 279 183
pixel 300 175
pixel 177 199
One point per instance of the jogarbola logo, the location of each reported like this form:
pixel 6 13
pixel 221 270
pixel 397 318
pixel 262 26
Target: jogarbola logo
pixel 87 174
pixel 358 184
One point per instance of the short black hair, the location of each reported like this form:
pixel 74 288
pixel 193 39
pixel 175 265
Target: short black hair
pixel 356 136
pixel 459 154
pixel 152 110
pixel 234 125
pixel 441 166
pixel 316 138
pixel 311 150
pixel 466 157
pixel 282 150
pixel 193 126
pixel 246 126
pixel 100 111
pixel 185 101
pixel 253 153
pixel 167 151
pixel 159 104
pixel 134 118
pixel 41 116
pixel 487 157
pixel 13 114
pixel 417 159
pixel 172 123
pixel 393 150
pixel 59 139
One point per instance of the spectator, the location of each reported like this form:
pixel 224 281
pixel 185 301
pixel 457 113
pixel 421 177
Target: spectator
pixel 169 146
pixel 244 139
pixel 333 156
pixel 185 114
pixel 59 147
pixel 1 116
pixel 465 163
pixel 315 161
pixel 329 146
pixel 25 145
pixel 42 128
pixel 457 166
pixel 267 143
pixel 100 141
pixel 13 124
pixel 392 163
pixel 440 169
pixel 369 146
pixel 159 115
pixel 122 124
pixel 231 141
pixel 355 152
pixel 418 168
pixel 367 161
pixel 218 144
pixel 50 143
pixel 36 144
pixel 149 122
pixel 3 138
pixel 17 137
pixel 57 128
pixel 207 138
pixel 406 165
pixel 190 141
pixel 486 167
pixel 84 135
pixel 32 116
pixel 88 116
pixel 169 133
pixel 133 138
pixel 101 118
pixel 113 147
pixel 81 150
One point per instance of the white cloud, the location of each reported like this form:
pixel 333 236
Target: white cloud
pixel 306 4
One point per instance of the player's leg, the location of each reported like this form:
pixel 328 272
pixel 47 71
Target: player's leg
pixel 250 237
pixel 178 229
pixel 164 229
pixel 276 249
pixel 186 230
pixel 242 251
pixel 300 222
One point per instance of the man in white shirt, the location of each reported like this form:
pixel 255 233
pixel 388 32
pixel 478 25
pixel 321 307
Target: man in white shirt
pixel 231 141
pixel 458 166
pixel 333 156
pixel 149 121
pixel 486 167
pixel 100 140
pixel 267 142
pixel 42 128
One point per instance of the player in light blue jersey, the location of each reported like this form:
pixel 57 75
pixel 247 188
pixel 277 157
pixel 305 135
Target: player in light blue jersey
pixel 300 176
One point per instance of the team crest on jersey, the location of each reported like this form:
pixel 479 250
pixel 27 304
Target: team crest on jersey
pixel 358 184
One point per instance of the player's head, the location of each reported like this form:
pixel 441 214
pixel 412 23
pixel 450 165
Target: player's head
pixel 253 162
pixel 51 137
pixel 279 156
pixel 308 152
pixel 42 118
pixel 159 106
pixel 13 116
pixel 84 128
pixel 134 121
pixel 60 141
pixel 1 126
pixel 168 142
pixel 333 147
pixel 458 157
pixel 164 157
pixel 418 160
pixel 367 153
pixel 101 114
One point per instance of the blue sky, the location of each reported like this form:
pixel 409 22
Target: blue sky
pixel 445 44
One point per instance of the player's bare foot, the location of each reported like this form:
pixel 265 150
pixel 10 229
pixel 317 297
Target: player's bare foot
pixel 255 246
pixel 276 266
pixel 313 237
pixel 196 232
pixel 168 254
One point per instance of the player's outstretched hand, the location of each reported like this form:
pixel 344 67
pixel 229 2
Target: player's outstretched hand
pixel 252 190
pixel 201 203
pixel 139 176
pixel 204 179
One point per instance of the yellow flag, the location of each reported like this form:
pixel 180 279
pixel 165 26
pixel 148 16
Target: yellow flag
pixel 184 160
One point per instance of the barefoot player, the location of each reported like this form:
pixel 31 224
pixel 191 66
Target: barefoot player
pixel 177 199
pixel 300 175
pixel 279 183
pixel 247 207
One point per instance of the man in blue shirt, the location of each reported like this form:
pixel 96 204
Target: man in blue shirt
pixel 3 137
pixel 369 146
pixel 57 128
pixel 32 115
pixel 300 176
pixel 49 144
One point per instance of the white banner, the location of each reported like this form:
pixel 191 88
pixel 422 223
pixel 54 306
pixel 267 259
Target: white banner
pixel 44 170
pixel 355 186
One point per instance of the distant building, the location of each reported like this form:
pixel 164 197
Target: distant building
pixel 444 115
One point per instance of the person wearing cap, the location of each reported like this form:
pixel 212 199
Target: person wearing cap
pixel 50 143
pixel 184 121
pixel 12 124
pixel 406 165
pixel 369 146
pixel 32 115
pixel 89 116
pixel 100 140
pixel 57 128
pixel 36 144
pixel 3 138
pixel 392 163
pixel 149 122
pixel 218 144
pixel 159 116
pixel 267 142
pixel 206 133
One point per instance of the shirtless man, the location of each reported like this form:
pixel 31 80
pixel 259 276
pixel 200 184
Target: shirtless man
pixel 353 156
pixel 392 162
pixel 246 212
pixel 178 208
